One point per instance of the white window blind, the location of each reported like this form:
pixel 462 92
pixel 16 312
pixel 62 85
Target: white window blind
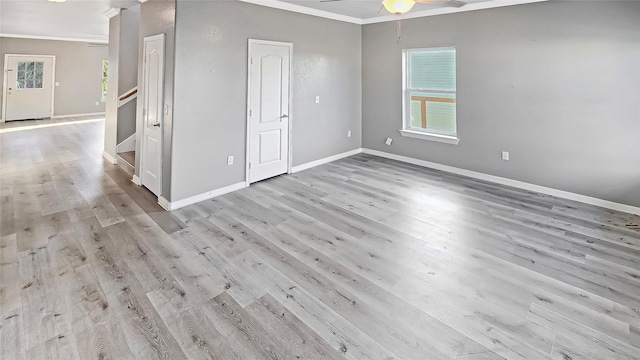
pixel 430 91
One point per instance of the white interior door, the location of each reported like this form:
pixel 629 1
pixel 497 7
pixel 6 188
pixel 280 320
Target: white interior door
pixel 28 87
pixel 152 113
pixel 268 109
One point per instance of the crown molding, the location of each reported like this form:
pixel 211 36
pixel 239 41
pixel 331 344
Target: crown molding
pixel 276 4
pixel 112 12
pixel 304 10
pixel 448 10
pixel 56 38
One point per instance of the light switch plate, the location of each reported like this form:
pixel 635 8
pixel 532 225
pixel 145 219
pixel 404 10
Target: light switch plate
pixel 349 133
pixel 229 160
pixel 318 99
pixel 505 155
pixel 388 141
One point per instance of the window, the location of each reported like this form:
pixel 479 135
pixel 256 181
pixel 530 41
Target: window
pixel 29 75
pixel 105 73
pixel 429 96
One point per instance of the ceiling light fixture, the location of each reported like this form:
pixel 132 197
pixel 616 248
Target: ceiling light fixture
pixel 57 1
pixel 396 6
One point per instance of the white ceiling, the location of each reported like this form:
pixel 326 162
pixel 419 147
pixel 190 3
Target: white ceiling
pixel 368 11
pixel 84 20
pixel 362 9
pixel 72 20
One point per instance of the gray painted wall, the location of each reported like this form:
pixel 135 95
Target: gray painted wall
pixel 159 17
pixel 111 112
pixel 557 84
pixel 128 69
pixel 120 123
pixel 211 88
pixel 78 70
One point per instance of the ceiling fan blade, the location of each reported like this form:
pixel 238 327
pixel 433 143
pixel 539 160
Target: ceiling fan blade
pixel 447 3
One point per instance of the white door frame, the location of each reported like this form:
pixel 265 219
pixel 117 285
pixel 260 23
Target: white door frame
pixel 6 80
pixel 141 94
pixel 248 134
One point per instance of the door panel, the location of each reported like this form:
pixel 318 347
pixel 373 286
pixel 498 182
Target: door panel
pixel 270 143
pixel 29 87
pixel 152 97
pixel 271 88
pixel 152 150
pixel 269 110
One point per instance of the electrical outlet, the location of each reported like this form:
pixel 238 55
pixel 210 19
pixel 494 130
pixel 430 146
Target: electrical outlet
pixel 388 141
pixel 318 99
pixel 229 160
pixel 97 103
pixel 57 83
pixel 349 133
pixel 505 155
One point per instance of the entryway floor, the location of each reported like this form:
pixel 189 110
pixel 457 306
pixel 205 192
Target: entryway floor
pixel 129 156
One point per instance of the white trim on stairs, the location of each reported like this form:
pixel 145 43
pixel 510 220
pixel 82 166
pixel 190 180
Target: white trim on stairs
pixel 128 144
pixel 510 182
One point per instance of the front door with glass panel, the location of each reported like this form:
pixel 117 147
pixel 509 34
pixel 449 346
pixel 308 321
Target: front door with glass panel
pixel 28 87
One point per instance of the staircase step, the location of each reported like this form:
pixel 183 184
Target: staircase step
pixel 124 164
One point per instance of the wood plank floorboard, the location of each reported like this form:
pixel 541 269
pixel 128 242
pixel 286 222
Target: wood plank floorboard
pixel 362 258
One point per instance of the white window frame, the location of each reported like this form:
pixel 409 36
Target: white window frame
pixel 407 130
pixel 17 88
pixel 103 97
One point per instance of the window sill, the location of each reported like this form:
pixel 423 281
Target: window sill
pixel 432 137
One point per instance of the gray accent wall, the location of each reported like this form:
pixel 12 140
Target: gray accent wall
pixel 128 69
pixel 557 84
pixel 78 70
pixel 211 88
pixel 159 17
pixel 111 113
pixel 120 122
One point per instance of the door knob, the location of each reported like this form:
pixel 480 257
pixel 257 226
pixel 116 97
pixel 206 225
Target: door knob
pixel 284 116
pixel 156 125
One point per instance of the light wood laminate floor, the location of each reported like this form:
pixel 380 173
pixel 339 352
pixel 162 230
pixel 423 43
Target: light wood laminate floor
pixel 363 258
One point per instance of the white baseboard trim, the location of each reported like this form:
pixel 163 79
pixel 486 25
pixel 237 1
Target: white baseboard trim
pixel 164 203
pixel 128 144
pixel 136 180
pixel 173 205
pixel 323 161
pixel 109 158
pixel 510 182
pixel 77 115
